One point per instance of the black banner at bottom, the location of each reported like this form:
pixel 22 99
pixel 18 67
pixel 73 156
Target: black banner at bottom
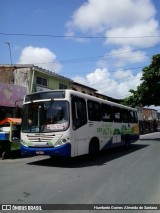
pixel 39 207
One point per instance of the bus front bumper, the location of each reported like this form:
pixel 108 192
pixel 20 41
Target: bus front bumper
pixel 63 150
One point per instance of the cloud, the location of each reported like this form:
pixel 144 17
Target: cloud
pixel 126 55
pixel 118 58
pixel 139 35
pixel 97 76
pixel 127 25
pixel 120 74
pixel 115 84
pixel 117 18
pixel 41 57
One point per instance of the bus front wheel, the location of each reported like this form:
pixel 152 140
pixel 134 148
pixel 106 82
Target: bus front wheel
pixel 94 149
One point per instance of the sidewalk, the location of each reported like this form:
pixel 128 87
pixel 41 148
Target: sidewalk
pixel 150 136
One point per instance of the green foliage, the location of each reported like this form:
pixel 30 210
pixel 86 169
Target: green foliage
pixel 148 92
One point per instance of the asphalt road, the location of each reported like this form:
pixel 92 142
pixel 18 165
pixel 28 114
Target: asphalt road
pixel 118 176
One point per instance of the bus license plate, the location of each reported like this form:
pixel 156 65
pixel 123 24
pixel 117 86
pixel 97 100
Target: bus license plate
pixel 39 152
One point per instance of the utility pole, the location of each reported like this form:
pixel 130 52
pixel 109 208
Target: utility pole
pixel 9 45
pixel 12 77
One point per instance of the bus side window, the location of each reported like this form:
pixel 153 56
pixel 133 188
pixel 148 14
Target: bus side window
pixel 94 111
pixel 79 115
pixel 133 117
pixel 125 116
pixel 106 113
pixel 117 114
pixel 136 117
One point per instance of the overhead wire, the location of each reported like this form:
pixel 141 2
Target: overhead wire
pixel 77 60
pixel 93 58
pixel 74 36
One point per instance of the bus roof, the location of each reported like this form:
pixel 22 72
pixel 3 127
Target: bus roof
pixel 82 95
pixel 94 98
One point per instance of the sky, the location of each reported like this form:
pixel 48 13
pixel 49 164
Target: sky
pixel 103 44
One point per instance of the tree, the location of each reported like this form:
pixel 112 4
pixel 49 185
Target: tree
pixel 148 92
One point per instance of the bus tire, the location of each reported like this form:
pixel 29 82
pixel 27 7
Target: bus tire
pixel 127 142
pixel 94 148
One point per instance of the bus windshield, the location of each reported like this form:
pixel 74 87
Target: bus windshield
pixel 49 116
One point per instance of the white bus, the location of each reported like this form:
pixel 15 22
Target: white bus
pixel 70 123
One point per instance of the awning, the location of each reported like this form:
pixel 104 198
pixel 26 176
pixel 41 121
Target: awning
pixel 11 120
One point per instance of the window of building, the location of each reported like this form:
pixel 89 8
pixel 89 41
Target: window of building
pixel 41 81
pixel 106 112
pixel 94 111
pixel 62 86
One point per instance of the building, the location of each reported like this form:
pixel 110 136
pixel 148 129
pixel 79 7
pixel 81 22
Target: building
pixel 18 80
pixel 150 119
pixel 37 79
pixel 150 114
pixel 83 88
pixel 141 120
pixel 105 97
pixel 91 91
pixel 11 95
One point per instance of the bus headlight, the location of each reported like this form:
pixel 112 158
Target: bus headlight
pixel 23 142
pixel 62 141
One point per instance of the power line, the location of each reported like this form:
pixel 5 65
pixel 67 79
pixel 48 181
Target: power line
pixel 73 36
pixel 130 78
pixel 126 83
pixel 87 58
pixel 93 58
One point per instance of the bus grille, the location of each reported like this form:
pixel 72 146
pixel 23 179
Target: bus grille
pixel 40 138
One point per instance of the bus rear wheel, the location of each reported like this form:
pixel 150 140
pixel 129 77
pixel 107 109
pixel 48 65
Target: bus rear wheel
pixel 94 149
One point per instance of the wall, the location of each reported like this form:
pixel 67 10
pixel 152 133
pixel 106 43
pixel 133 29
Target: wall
pixel 22 77
pixel 53 81
pixel 140 114
pixel 150 114
pixel 6 76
